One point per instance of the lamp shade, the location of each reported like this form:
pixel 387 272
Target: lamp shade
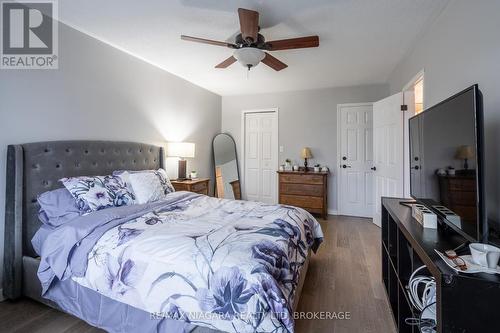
pixel 180 149
pixel 249 56
pixel 306 153
pixel 464 152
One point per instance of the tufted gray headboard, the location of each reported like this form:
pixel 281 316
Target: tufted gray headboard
pixel 35 168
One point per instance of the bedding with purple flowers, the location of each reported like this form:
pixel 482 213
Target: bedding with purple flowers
pixel 98 192
pixel 228 265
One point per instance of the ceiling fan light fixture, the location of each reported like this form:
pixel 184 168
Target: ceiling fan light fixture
pixel 249 56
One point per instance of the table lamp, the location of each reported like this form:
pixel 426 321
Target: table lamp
pixel 306 153
pixel 182 150
pixel 464 153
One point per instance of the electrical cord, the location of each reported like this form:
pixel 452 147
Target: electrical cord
pixel 432 323
pixel 419 302
pixel 424 302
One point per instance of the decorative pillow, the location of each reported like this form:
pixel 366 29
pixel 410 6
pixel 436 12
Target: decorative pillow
pixel 57 207
pixel 147 185
pixel 165 181
pixel 98 192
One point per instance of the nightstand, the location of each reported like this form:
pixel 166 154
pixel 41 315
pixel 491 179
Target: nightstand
pixel 199 185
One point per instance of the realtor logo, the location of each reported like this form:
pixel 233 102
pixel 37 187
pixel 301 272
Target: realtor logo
pixel 29 35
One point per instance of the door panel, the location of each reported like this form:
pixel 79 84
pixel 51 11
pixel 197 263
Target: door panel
pixel 352 144
pixel 388 149
pixel 357 148
pixel 368 143
pixel 352 186
pixel 369 190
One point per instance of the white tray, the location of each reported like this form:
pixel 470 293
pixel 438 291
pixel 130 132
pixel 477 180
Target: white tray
pixel 471 266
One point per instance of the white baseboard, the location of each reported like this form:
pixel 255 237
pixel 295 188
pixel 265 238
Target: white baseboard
pixel 332 212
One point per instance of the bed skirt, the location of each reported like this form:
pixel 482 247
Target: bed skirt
pixel 106 313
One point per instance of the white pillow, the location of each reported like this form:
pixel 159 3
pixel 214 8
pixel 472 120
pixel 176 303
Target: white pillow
pixel 148 185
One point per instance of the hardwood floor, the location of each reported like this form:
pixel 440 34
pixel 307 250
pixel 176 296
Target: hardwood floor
pixel 344 276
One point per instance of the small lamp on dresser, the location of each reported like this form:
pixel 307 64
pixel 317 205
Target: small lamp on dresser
pixel 464 153
pixel 305 154
pixel 182 150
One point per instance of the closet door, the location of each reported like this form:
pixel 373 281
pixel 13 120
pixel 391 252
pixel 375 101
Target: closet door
pixel 261 156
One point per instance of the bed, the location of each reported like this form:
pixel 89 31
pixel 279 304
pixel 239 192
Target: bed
pixel 187 264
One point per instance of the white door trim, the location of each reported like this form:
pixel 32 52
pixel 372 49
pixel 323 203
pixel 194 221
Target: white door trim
pixel 242 144
pixel 406 129
pixel 339 148
pixel 414 79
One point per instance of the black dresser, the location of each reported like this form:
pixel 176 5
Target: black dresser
pixel 466 303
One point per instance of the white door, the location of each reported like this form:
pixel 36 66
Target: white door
pixel 388 150
pixel 356 160
pixel 261 156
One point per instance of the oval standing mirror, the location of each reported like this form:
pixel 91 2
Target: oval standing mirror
pixel 227 178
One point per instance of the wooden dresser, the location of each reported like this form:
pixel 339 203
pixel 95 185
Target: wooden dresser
pixel 458 193
pixel 304 189
pixel 199 185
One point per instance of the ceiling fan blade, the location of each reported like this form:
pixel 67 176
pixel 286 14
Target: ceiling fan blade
pixel 249 24
pixel 226 63
pixel 273 62
pixel 293 43
pixel 207 41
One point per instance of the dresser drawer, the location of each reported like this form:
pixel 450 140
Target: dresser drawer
pixel 301 179
pixel 199 187
pixel 302 189
pixel 181 187
pixel 467 213
pixel 462 198
pixel 466 185
pixel 301 201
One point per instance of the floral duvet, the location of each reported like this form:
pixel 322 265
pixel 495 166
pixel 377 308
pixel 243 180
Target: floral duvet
pixel 229 265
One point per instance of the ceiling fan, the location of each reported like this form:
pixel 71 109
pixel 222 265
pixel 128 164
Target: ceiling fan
pixel 250 46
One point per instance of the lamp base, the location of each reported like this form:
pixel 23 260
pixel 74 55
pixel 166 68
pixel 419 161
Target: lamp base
pixel 181 173
pixel 305 164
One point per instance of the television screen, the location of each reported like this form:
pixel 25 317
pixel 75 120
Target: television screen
pixel 445 161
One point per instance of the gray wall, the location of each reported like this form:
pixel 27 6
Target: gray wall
pixel 462 48
pixel 99 92
pixel 306 118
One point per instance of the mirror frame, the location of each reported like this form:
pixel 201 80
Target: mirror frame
pixel 237 164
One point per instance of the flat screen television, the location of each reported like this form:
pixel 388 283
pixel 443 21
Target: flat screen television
pixel 446 162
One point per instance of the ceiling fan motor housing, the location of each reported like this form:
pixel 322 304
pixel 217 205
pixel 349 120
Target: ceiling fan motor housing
pixel 260 43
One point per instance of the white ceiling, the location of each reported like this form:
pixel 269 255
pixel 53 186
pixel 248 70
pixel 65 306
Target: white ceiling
pixel 361 41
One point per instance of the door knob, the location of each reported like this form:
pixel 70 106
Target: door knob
pixel 374 168
pixel 345 166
